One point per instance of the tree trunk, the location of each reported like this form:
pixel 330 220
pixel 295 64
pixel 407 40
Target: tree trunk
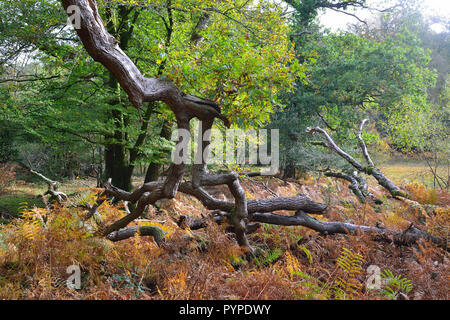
pixel 154 169
pixel 116 163
pixel 289 171
pixel 116 168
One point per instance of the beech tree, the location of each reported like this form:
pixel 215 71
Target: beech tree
pixel 233 52
pixel 103 48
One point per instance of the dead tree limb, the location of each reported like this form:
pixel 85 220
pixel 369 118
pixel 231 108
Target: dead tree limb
pixel 156 232
pixel 354 184
pixel 358 185
pixel 52 187
pixel 195 224
pixel 362 144
pixel 407 237
pixel 368 169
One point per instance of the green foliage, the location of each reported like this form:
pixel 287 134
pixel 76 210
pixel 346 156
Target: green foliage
pixel 243 60
pixel 394 285
pixel 307 10
pixel 83 198
pixel 269 258
pixel 350 263
pixel 132 281
pixel 355 75
pixel 8 152
pixel 14 203
pixel 307 253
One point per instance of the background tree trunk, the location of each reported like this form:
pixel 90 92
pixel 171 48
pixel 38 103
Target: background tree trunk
pixel 154 169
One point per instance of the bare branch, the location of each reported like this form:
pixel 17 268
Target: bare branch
pixel 354 185
pixel 333 146
pixel 362 144
pixel 349 14
pixel 394 190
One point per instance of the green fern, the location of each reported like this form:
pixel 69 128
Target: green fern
pixel 307 253
pixel 273 255
pixel 350 263
pixel 268 258
pixel 394 285
pixel 83 198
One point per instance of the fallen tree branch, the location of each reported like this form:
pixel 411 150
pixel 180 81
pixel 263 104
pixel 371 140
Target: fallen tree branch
pixel 370 169
pixel 409 236
pixel 354 184
pixel 216 216
pixel 102 47
pixel 156 232
pixel 358 185
pixel 52 187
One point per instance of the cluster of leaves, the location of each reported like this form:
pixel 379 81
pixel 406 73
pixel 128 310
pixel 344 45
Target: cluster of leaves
pixel 350 263
pixel 394 285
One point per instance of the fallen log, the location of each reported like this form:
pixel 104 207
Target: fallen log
pixel 156 232
pixel 407 237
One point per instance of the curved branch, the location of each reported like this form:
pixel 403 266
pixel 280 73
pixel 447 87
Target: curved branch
pixel 154 231
pixel 104 48
pixel 333 146
pixel 362 144
pixel 299 202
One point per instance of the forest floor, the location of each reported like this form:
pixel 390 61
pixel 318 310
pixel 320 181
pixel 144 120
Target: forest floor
pixel 207 264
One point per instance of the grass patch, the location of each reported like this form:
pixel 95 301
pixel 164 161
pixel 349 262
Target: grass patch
pixel 401 172
pixel 12 202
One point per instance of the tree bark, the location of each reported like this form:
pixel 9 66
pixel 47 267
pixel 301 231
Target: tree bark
pixel 116 165
pixel 154 231
pixel 354 184
pixel 409 236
